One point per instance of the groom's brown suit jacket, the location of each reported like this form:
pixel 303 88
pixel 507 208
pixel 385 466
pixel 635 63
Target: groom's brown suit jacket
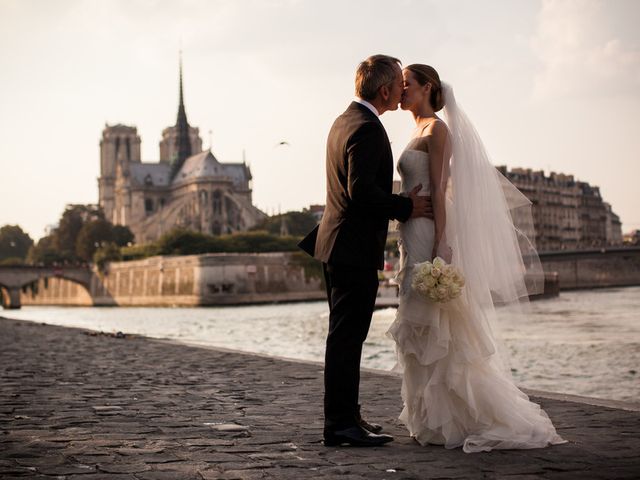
pixel 353 229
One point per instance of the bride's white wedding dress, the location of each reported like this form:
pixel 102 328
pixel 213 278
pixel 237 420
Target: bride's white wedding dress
pixel 456 391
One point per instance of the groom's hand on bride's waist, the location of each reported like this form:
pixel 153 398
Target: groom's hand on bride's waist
pixel 421 204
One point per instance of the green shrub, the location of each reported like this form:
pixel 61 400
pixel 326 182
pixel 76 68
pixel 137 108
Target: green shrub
pixel 12 262
pixel 105 254
pixel 138 252
pixel 188 242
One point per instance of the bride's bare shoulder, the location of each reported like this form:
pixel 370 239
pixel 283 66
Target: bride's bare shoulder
pixel 437 136
pixel 439 130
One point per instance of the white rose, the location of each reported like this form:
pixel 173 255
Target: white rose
pixel 448 271
pixel 422 268
pixel 436 272
pixel 430 281
pixel 458 278
pixel 438 262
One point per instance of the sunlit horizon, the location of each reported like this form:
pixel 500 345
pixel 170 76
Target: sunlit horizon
pixel 550 85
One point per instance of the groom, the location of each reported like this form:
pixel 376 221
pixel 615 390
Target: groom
pixel 351 238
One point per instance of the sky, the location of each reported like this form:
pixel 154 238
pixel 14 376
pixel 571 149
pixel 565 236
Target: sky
pixel 551 85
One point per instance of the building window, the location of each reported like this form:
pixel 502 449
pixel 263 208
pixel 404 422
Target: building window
pixel 148 205
pixel 217 202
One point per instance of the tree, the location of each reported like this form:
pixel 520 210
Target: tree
pixel 122 235
pixel 257 242
pixel 187 242
pixel 180 241
pixel 295 223
pixel 71 222
pixel 14 242
pixel 93 235
pixel 44 252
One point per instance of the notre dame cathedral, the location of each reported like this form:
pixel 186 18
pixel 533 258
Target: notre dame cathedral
pixel 188 188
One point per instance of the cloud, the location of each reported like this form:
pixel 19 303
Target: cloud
pixel 583 50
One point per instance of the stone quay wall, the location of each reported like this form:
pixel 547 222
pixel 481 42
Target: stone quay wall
pixel 193 280
pixel 611 267
pixel 235 279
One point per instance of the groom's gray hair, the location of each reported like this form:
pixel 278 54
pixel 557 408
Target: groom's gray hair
pixel 373 73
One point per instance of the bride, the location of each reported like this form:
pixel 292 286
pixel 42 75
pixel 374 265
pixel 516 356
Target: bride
pixel 456 390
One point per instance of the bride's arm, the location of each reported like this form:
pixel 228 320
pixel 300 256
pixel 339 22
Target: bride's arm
pixel 439 152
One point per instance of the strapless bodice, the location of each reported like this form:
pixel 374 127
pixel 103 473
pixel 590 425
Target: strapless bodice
pixel 413 167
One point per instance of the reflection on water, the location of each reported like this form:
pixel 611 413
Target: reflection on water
pixel 585 342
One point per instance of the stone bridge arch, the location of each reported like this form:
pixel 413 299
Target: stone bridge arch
pixel 14 278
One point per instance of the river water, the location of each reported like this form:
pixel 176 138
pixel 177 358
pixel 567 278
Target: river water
pixel 583 342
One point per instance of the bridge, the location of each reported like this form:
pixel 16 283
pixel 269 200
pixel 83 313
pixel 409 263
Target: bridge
pixel 262 278
pixel 14 278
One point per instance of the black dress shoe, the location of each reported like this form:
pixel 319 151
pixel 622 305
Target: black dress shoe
pixel 372 427
pixel 355 436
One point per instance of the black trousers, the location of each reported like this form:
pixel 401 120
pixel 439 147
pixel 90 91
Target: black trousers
pixel 351 293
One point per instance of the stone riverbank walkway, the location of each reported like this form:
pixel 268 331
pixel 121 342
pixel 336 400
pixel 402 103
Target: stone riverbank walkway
pixel 84 406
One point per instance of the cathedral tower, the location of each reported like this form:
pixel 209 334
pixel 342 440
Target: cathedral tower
pixel 119 147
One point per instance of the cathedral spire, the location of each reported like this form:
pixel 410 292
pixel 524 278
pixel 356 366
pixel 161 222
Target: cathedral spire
pixel 182 129
pixel 181 104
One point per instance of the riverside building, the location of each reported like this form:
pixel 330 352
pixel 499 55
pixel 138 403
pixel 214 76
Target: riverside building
pixel 567 214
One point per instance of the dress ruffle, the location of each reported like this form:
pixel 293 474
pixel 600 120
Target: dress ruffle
pixel 455 390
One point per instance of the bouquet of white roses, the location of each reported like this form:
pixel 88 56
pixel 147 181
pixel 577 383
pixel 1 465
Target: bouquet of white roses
pixel 437 281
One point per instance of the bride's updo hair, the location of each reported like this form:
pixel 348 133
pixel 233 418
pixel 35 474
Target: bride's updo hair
pixel 426 74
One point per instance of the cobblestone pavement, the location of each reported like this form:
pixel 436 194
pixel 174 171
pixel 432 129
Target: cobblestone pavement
pixel 80 405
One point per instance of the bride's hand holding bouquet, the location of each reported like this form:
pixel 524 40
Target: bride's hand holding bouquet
pixel 437 281
pixel 443 251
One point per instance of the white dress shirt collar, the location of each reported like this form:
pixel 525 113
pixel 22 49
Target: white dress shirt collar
pixel 368 105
